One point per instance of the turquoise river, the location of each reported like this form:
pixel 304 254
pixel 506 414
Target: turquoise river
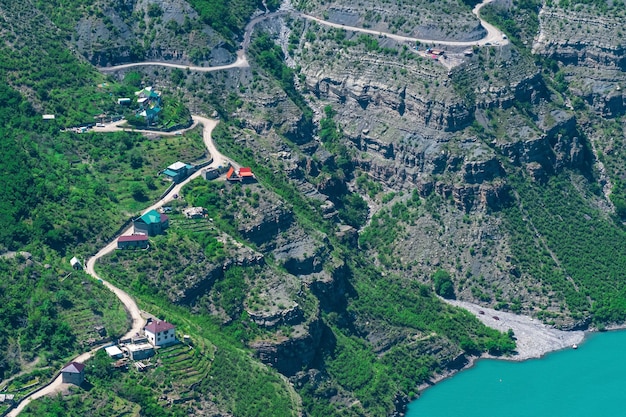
pixel 589 382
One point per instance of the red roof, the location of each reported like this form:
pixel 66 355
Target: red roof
pixel 133 238
pixel 164 218
pixel 159 326
pixel 230 173
pixel 73 368
pixel 246 172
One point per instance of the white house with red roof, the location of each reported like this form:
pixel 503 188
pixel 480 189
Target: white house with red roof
pixel 160 333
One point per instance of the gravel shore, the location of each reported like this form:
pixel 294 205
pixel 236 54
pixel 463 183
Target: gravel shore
pixel 534 339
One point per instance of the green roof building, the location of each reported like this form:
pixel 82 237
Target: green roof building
pixel 178 171
pixel 151 223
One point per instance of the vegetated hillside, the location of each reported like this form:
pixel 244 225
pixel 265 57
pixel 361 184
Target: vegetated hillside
pixel 49 313
pixel 109 32
pixel 385 179
pixel 64 194
pixel 290 305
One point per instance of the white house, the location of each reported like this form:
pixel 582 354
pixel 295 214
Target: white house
pixel 76 263
pixel 160 332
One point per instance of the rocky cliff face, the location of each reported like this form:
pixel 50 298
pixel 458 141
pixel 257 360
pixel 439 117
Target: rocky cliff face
pixel 451 21
pixel 140 30
pixel 556 148
pixel 362 89
pixel 582 35
pixel 588 41
pixel 408 118
pixel 290 355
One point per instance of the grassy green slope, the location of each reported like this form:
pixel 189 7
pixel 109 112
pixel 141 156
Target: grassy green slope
pixel 577 251
pixel 52 312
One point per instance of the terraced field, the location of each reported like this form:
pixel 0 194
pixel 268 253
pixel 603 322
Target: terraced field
pixel 185 366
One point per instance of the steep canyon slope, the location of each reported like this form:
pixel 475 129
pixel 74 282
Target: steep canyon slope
pixel 387 175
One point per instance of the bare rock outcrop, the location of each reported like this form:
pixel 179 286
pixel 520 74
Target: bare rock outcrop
pixel 290 355
pixel 117 33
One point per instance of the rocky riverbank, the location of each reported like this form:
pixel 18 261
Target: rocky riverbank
pixel 534 339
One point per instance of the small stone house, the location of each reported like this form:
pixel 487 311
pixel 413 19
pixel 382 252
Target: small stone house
pixel 114 352
pixel 210 173
pixel 160 333
pixel 140 351
pixel 231 175
pixel 73 373
pixel 149 101
pixel 246 174
pixel 151 223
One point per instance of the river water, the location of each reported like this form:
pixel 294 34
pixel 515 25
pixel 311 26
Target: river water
pixel 589 382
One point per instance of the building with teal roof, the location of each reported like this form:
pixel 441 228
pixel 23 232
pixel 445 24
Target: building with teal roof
pixel 151 223
pixel 178 171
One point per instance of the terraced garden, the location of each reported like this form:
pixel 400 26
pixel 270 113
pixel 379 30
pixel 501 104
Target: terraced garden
pixel 186 365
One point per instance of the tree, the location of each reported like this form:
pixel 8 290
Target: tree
pixel 101 367
pixel 136 160
pixel 133 79
pixel 443 284
pixel 138 191
pixel 154 10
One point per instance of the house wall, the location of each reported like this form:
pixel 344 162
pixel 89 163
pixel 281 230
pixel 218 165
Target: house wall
pixel 141 354
pixel 152 229
pixel 162 338
pixel 181 174
pixel 165 337
pixel 211 174
pixel 134 244
pixel 72 378
pixel 140 227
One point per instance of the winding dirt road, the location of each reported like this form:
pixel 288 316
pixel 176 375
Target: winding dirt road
pixel 240 62
pixel 130 305
pixel 494 35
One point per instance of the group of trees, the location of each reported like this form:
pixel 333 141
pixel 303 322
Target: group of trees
pixel 588 247
pixel 229 17
pixel 270 58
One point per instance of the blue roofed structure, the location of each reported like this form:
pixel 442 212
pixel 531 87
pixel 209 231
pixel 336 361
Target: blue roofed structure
pixel 178 171
pixel 151 223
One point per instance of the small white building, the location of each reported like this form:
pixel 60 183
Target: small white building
pixel 114 352
pixel 76 263
pixel 160 333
